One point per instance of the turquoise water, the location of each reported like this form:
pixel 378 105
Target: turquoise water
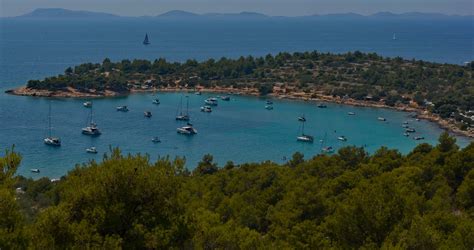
pixel 240 130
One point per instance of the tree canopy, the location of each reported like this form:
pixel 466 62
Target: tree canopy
pixel 351 199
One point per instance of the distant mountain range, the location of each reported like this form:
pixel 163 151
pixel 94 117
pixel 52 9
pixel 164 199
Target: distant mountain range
pixel 58 13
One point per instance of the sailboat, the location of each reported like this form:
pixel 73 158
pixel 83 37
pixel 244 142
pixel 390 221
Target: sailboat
pixel 146 41
pixel 92 128
pixel 180 116
pixel 324 148
pixel 304 137
pixel 50 140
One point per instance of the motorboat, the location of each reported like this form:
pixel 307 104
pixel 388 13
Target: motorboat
pixel 342 138
pixel 156 101
pixel 91 150
pixel 269 102
pixel 122 108
pixel 35 170
pixel 410 130
pixel 211 101
pixel 92 130
pixel 155 139
pixel 147 114
pixel 87 104
pixel 328 150
pixel 206 109
pixel 350 113
pixel 52 141
pixel 417 138
pixel 186 130
pixel 305 138
pixel 225 98
pixel 268 107
pixel 301 118
pixel 198 93
pixel 382 119
pixel 321 105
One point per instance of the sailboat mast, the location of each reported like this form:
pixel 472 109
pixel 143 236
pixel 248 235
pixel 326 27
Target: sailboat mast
pixel 180 109
pixel 92 114
pixel 49 118
pixel 187 106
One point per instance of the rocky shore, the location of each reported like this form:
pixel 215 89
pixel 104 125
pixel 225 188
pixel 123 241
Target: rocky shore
pixel 313 97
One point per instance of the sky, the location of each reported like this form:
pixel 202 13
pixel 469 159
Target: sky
pixel 269 7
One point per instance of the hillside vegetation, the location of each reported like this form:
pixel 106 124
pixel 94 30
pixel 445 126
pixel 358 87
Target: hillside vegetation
pixel 422 200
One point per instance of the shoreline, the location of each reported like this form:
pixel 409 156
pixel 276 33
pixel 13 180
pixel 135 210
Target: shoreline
pixel 312 97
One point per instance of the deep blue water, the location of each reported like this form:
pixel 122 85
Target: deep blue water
pixel 240 130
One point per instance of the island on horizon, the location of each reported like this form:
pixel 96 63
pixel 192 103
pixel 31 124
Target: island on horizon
pixel 439 92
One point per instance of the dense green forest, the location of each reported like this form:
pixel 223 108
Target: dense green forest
pixel 422 200
pixel 445 89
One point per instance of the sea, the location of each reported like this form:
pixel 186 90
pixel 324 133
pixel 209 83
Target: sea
pixel 240 130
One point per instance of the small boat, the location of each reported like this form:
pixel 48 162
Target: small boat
pixel 225 98
pixel 211 101
pixel 351 113
pixel 92 128
pixel 404 126
pixel 198 93
pixel 406 134
pixel 35 170
pixel 417 138
pixel 405 122
pixel 155 139
pixel 268 107
pixel 87 104
pixel 301 118
pixel 322 106
pixel 382 119
pixel 156 101
pixel 342 138
pixel 269 102
pixel 146 41
pixel 328 150
pixel 180 115
pixel 417 119
pixel 122 108
pixel 51 140
pixel 206 109
pixel 305 138
pixel 394 37
pixel 91 150
pixel 186 130
pixel 147 114
pixel 410 130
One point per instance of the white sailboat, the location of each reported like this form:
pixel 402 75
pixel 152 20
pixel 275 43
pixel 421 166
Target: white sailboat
pixel 180 115
pixel 92 128
pixel 304 137
pixel 51 140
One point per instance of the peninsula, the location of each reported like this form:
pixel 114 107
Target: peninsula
pixel 443 93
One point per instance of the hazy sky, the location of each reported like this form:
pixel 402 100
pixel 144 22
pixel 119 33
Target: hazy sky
pixel 270 7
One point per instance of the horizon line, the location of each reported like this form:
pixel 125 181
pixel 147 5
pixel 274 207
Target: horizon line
pixel 241 12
